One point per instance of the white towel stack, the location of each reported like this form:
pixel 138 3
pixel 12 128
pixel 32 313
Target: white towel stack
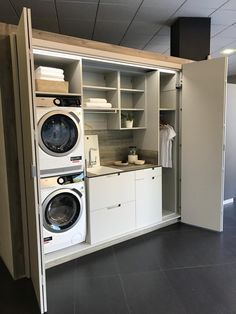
pixel 97 103
pixel 48 73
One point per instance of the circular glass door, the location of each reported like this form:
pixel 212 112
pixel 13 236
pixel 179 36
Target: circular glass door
pixel 58 133
pixel 61 211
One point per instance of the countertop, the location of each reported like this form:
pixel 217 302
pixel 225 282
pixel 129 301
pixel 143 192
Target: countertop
pixel 130 167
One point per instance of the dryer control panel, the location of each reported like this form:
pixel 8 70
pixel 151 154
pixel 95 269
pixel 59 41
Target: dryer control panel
pixel 58 100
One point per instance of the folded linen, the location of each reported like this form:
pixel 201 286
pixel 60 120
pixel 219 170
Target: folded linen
pixel 50 70
pixel 97 100
pixel 97 105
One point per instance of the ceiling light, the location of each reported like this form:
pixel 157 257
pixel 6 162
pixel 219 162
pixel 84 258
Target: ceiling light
pixel 228 51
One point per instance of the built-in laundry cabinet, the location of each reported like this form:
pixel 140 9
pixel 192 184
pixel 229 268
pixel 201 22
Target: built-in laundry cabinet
pixel 198 188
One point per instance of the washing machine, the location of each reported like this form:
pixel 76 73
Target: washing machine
pixel 60 136
pixel 63 211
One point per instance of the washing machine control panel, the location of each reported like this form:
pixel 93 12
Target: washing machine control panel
pixel 62 180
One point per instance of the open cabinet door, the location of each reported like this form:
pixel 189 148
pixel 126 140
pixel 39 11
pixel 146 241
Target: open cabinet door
pixel 30 145
pixel 203 143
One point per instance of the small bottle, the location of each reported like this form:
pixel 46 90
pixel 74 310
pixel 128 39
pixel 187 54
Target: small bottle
pixel 132 155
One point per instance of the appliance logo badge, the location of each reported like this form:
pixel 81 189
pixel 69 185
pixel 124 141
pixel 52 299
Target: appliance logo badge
pixel 47 240
pixel 76 159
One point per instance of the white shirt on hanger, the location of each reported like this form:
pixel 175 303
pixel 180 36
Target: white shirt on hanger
pixel 167 135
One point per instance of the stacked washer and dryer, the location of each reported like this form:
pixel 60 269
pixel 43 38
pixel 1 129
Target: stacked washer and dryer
pixel 61 163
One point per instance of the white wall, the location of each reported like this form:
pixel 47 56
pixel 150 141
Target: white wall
pixel 230 154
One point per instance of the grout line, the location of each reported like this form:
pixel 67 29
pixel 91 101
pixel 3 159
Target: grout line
pixel 115 260
pixel 124 293
pixel 197 266
pixel 13 7
pixel 95 20
pixel 58 23
pixel 127 29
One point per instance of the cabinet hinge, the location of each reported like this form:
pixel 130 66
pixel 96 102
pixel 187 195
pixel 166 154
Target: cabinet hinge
pixel 33 171
pixel 179 85
pixel 30 55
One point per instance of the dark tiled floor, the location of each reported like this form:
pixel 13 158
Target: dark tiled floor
pixel 177 270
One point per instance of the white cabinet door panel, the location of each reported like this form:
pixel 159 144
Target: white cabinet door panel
pixel 148 197
pixel 112 221
pixel 203 139
pixel 111 190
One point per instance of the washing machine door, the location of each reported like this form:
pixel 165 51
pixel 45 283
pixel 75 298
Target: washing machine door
pixel 61 210
pixel 59 132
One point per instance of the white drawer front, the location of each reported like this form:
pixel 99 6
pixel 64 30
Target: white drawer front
pixel 110 190
pixel 154 172
pixel 110 222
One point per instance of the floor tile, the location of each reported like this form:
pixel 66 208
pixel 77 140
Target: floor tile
pixel 151 293
pixel 61 273
pixel 206 289
pixel 101 263
pixel 100 295
pixel 61 297
pixel 136 256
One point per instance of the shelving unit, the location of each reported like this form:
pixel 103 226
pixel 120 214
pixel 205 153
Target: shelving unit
pixel 133 98
pixel 123 87
pixel 168 112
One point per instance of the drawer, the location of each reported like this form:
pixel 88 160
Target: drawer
pixel 111 222
pixel 144 173
pixel 110 190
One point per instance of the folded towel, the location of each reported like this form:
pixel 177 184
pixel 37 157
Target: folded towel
pixel 97 105
pixel 42 69
pixel 97 100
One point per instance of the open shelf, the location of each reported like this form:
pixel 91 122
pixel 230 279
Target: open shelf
pixel 138 118
pixel 131 90
pixel 69 63
pixel 134 128
pixel 168 92
pixel 99 88
pixel 101 110
pixel 55 94
pixel 132 82
pixel 167 109
pixel 132 109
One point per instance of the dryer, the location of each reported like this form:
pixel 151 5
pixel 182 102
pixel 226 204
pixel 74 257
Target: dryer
pixel 60 138
pixel 63 211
